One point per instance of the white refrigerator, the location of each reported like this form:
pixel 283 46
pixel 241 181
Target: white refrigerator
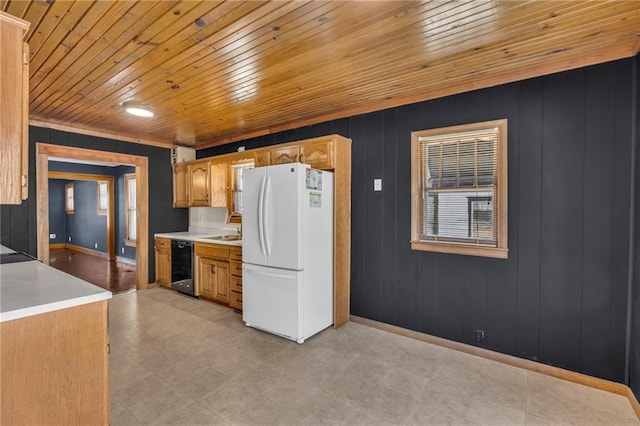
pixel 287 250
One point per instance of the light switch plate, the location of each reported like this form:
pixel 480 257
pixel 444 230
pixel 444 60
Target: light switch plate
pixel 377 184
pixel 52 236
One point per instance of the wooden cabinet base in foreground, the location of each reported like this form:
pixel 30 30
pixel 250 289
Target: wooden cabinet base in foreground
pixel 55 368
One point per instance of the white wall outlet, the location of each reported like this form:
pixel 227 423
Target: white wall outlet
pixel 122 250
pixel 377 184
pixel 52 236
pixel 69 239
pixel 95 245
pixel 241 149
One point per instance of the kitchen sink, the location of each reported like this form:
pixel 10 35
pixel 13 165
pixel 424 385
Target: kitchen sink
pixel 228 237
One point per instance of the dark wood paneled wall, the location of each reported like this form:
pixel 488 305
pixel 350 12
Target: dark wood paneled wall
pixel 18 223
pixel 561 297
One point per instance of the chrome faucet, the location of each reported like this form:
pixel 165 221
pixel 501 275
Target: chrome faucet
pixel 239 229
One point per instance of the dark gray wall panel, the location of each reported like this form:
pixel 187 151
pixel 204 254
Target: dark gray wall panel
pixel 374 151
pixel 597 264
pixel 529 220
pixel 86 228
pixel 634 332
pixel 57 215
pixel 389 230
pixel 562 188
pixel 407 301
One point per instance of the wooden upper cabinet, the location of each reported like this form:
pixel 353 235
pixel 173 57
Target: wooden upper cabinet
pixel 181 185
pixel 318 155
pixel 14 119
pixel 200 183
pixel 263 157
pixel 286 154
pixel 219 184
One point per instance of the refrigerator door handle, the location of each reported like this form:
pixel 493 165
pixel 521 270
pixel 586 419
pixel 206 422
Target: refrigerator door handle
pixel 265 217
pixel 261 215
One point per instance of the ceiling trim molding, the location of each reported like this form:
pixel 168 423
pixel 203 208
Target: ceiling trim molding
pixel 98 133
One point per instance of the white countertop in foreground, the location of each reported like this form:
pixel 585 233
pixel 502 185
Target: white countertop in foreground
pixel 198 236
pixel 32 288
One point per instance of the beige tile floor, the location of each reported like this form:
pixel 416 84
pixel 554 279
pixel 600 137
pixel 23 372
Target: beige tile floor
pixel 180 361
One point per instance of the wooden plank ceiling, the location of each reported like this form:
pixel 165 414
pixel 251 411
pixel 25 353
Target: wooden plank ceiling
pixel 218 71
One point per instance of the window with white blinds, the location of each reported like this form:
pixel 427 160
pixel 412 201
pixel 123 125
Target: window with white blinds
pixel 459 189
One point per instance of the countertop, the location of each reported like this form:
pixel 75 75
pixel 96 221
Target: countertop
pixel 32 288
pixel 198 234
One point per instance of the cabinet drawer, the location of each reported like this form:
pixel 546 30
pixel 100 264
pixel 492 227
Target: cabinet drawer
pixel 235 300
pixel 163 243
pixel 212 250
pixel 235 254
pixel 235 268
pixel 236 284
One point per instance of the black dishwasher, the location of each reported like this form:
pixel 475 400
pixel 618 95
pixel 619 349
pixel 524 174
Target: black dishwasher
pixel 182 267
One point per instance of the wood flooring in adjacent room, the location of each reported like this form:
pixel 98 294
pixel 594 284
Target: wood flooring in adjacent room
pixel 114 276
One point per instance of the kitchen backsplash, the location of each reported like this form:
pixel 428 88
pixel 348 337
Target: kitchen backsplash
pixel 207 217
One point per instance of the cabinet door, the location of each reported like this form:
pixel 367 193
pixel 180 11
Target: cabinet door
pixel 205 276
pixel 163 262
pixel 219 184
pixel 181 185
pixel 199 177
pixel 163 267
pixel 318 155
pixel 221 280
pixel 13 120
pixel 263 158
pixel 284 155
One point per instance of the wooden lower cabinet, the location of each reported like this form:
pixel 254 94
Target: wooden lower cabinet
pixel 55 367
pixel 163 262
pixel 212 272
pixel 213 279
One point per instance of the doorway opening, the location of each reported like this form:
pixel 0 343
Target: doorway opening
pixel 139 182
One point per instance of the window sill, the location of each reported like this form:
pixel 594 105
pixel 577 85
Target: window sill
pixel 495 252
pixel 130 243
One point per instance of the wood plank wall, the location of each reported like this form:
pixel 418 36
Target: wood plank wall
pixel 561 296
pixel 18 223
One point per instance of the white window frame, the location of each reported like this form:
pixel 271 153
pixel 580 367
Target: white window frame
pixel 69 199
pixel 103 197
pixel 500 250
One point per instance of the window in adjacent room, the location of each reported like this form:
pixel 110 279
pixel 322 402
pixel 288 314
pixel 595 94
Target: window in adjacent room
pixel 69 202
pixel 459 189
pixel 130 208
pixel 103 197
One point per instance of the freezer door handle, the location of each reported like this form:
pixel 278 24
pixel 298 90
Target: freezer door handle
pixel 261 215
pixel 265 221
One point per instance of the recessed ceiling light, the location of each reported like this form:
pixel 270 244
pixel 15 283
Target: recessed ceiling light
pixel 138 109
